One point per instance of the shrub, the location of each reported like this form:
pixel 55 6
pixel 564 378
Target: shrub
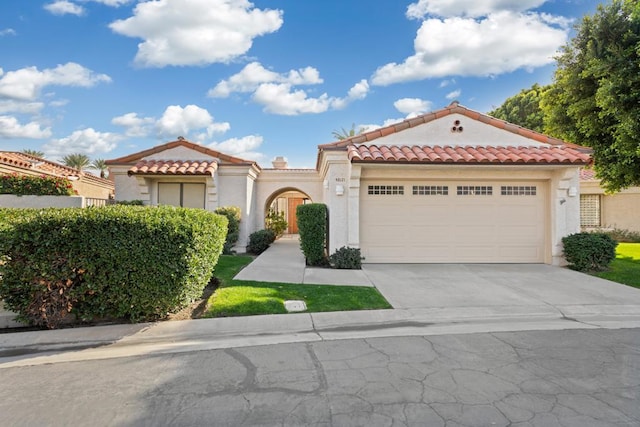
pixel 275 222
pixel 130 202
pixel 136 263
pixel 260 241
pixel 25 185
pixel 347 258
pixel 589 251
pixel 312 226
pixel 233 229
pixel 620 235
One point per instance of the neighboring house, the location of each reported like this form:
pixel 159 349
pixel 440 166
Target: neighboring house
pixel 453 185
pixel 84 183
pixel 600 210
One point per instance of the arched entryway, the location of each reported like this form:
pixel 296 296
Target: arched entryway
pixel 285 202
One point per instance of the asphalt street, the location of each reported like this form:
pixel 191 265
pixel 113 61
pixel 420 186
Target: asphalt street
pixel 579 378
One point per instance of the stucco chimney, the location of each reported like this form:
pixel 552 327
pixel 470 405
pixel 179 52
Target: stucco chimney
pixel 279 163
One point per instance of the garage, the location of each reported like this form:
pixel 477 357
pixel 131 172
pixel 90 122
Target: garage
pixel 453 221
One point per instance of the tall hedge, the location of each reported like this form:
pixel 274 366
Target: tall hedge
pixel 233 229
pixel 130 262
pixel 312 226
pixel 27 185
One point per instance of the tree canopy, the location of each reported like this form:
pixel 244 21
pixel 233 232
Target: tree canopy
pixel 344 133
pixel 77 161
pixel 595 96
pixel 523 109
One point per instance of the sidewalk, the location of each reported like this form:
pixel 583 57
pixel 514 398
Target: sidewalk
pixel 284 262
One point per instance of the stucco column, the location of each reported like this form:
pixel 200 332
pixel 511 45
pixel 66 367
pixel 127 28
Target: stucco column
pixel 353 206
pixel 565 211
pixel 212 194
pixel 143 187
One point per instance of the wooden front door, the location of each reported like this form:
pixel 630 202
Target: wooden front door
pixel 292 227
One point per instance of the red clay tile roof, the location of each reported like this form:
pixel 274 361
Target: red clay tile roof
pixel 131 158
pixel 40 165
pixel 173 167
pixel 481 155
pixel 588 175
pixel 453 108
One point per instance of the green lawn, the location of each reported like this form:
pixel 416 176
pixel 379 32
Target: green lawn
pixel 245 298
pixel 626 267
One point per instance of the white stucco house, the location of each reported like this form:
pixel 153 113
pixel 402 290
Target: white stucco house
pixel 453 185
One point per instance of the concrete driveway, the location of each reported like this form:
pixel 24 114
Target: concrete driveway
pixel 499 285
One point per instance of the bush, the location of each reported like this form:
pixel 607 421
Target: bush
pixel 25 185
pixel 620 235
pixel 346 258
pixel 233 229
pixel 260 241
pixel 312 226
pixel 136 263
pixel 589 251
pixel 130 202
pixel 275 222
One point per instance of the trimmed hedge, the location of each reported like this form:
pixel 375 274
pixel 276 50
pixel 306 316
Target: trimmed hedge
pixel 260 241
pixel 589 251
pixel 312 226
pixel 129 262
pixel 26 185
pixel 233 229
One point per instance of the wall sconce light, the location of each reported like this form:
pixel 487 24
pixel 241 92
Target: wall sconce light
pixel 339 190
pixel 572 191
pixel 563 201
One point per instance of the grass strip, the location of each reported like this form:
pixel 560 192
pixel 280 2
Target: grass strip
pixel 625 268
pixel 246 298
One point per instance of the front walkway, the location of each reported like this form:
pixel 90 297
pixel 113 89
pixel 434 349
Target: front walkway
pixel 284 262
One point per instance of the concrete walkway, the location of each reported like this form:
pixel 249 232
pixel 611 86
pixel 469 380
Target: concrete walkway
pixel 284 262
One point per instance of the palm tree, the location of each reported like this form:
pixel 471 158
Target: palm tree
pixel 77 161
pixel 34 153
pixel 100 165
pixel 344 133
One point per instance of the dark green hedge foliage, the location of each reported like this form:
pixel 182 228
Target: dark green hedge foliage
pixel 233 229
pixel 346 258
pixel 24 185
pixel 589 251
pixel 130 202
pixel 260 241
pixel 129 262
pixel 312 226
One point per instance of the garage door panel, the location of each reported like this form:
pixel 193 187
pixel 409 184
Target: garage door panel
pixel 470 227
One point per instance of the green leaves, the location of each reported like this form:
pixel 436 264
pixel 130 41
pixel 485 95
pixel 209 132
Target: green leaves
pixel 130 262
pixel 25 185
pixel 312 226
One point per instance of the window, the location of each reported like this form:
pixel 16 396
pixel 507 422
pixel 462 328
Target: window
pixel 386 189
pixel 187 195
pixel 430 190
pixel 590 210
pixel 474 190
pixel 518 190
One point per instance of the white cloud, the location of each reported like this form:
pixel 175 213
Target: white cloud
pixel 501 43
pixel 8 32
pixel 282 99
pixel 177 121
pixel 134 126
pixel 244 147
pixel 412 105
pixel 453 95
pixel 26 83
pixel 195 32
pixel 112 3
pixel 357 91
pixel 64 7
pixel 469 8
pixel 85 141
pixel 10 127
pixel 254 74
pixel 19 107
pixel 59 103
pixel 446 83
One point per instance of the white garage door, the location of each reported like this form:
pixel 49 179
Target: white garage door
pixel 448 222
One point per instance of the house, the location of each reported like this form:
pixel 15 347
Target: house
pixel 448 186
pixel 601 210
pixel 84 183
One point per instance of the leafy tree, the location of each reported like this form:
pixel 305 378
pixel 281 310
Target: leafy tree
pixel 100 165
pixel 595 97
pixel 34 153
pixel 344 133
pixel 76 161
pixel 523 109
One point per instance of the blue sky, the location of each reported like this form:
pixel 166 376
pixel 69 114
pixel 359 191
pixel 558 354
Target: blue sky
pixel 258 79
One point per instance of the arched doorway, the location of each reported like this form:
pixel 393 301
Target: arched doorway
pixel 284 203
